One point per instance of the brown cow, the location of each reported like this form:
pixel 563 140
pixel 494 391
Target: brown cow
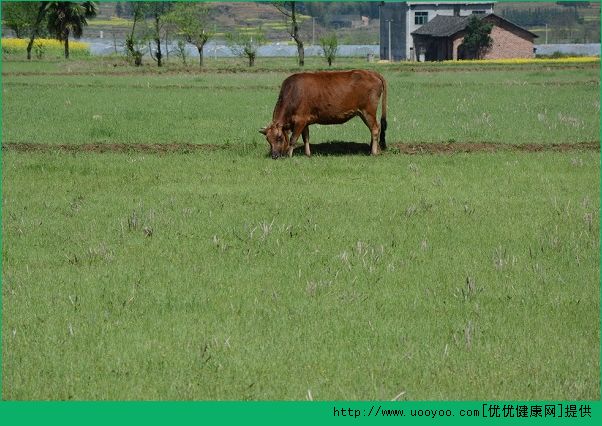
pixel 327 97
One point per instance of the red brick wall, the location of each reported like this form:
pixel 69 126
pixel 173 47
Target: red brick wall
pixel 507 44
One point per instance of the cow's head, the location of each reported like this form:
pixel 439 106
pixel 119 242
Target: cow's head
pixel 278 139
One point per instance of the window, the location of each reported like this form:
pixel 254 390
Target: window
pixel 421 18
pixel 478 12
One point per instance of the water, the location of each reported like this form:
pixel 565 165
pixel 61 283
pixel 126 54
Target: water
pixel 101 47
pixel 106 46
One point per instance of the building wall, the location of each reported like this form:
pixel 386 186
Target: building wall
pixel 508 44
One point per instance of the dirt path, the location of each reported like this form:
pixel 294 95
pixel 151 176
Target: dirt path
pixel 329 148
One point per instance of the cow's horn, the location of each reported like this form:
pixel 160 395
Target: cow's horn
pixel 263 130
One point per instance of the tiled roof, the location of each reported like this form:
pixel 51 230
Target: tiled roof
pixel 443 26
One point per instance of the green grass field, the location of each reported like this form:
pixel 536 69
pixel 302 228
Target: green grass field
pixel 221 274
pixel 543 106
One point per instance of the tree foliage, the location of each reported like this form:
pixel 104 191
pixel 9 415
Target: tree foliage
pixel 67 19
pixel 133 43
pixel 245 45
pixel 20 17
pixel 477 39
pixel 158 12
pixel 330 47
pixel 192 24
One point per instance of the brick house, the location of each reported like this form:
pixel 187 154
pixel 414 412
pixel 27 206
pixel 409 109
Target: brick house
pixel 441 39
pixel 399 19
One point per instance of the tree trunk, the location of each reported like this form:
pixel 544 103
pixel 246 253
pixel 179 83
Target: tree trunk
pixel 158 39
pixel 36 26
pixel 300 50
pixel 251 60
pixel 200 49
pixel 159 55
pixel 67 44
pixel 300 53
pixel 30 45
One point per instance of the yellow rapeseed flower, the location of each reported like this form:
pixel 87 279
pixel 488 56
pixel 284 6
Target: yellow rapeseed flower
pixel 568 60
pixel 50 46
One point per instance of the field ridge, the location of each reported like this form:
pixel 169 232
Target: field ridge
pixel 323 148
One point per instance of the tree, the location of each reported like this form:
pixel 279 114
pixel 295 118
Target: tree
pixel 37 26
pixel 67 18
pixel 288 9
pixel 330 47
pixel 246 45
pixel 132 44
pixel 158 12
pixel 192 21
pixel 20 16
pixel 477 39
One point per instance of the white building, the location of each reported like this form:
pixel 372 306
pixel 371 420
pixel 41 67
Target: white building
pixel 399 20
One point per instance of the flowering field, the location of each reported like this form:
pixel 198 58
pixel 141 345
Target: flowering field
pixel 44 47
pixel 520 61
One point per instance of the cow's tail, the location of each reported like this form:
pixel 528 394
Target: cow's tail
pixel 383 116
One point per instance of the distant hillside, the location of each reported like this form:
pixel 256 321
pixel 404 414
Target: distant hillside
pixel 357 22
pixel 568 22
pixel 226 17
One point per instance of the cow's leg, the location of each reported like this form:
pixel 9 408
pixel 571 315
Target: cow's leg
pixel 296 133
pixel 305 135
pixel 370 121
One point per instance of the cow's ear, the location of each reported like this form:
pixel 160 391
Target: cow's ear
pixel 263 130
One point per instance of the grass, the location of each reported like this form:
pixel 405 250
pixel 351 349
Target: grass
pixel 556 105
pixel 222 274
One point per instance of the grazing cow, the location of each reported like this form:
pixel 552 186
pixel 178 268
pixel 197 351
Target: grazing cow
pixel 327 97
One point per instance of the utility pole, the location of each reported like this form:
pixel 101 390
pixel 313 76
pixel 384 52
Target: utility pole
pixel 390 54
pixel 379 28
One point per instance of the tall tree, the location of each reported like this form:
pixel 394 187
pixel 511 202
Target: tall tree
pixel 67 18
pixel 158 12
pixel 137 10
pixel 477 39
pixel 35 30
pixel 288 9
pixel 192 22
